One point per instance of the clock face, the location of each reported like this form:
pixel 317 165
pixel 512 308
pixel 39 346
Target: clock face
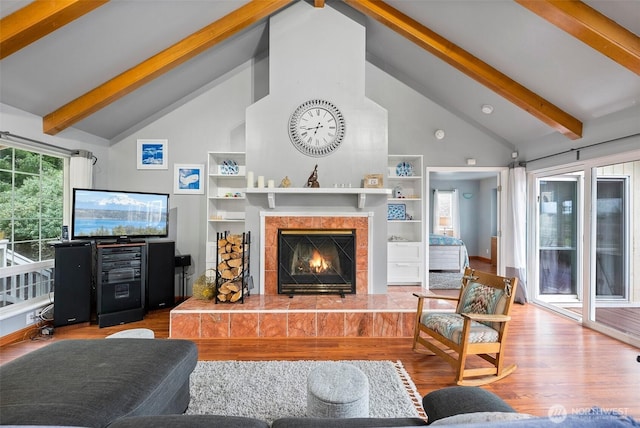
pixel 317 128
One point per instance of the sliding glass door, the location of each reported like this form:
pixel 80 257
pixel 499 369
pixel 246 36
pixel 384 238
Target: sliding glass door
pixel 586 244
pixel 615 280
pixel 611 259
pixel 558 226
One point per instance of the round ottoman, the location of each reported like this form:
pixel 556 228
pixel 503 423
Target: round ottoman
pixel 133 333
pixel 337 390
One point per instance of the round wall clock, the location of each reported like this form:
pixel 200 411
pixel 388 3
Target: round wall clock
pixel 316 128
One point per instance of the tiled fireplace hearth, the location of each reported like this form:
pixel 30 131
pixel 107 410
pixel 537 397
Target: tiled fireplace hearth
pixel 270 314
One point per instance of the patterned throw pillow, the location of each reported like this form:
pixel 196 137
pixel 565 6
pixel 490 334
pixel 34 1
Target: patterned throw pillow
pixel 481 299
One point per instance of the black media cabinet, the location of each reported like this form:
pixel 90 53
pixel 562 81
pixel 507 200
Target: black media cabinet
pixel 112 282
pixel 120 283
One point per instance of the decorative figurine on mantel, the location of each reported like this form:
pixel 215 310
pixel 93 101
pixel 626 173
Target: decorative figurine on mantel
pixel 312 181
pixel 285 183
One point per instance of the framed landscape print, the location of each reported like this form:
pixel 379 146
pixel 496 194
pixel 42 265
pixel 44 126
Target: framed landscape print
pixel 188 179
pixel 152 154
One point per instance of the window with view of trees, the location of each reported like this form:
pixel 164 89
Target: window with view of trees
pixel 31 216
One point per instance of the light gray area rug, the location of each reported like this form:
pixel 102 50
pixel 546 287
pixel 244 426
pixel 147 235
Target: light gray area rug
pixel 445 280
pixel 269 390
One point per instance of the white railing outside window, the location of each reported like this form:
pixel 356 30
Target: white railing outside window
pixel 23 282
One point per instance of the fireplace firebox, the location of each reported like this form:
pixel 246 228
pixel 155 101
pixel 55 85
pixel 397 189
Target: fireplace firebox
pixel 316 261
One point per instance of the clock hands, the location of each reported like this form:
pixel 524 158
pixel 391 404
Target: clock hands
pixel 314 128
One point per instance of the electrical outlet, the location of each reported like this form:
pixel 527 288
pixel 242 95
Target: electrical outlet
pixel 32 317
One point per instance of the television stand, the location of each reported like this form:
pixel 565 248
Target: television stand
pixel 126 240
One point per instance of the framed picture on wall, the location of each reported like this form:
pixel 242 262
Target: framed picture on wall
pixel 188 179
pixel 152 154
pixel 372 180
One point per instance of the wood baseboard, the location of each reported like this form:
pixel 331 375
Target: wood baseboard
pixel 16 336
pixel 480 259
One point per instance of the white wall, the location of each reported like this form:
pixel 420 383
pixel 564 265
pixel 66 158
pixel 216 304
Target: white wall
pixel 212 120
pixel 25 124
pixel 413 120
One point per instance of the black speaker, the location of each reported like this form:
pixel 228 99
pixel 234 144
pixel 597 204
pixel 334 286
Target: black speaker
pixel 183 260
pixel 160 274
pixel 72 283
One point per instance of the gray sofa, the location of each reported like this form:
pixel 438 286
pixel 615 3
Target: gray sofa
pixel 474 407
pixel 144 383
pixel 93 382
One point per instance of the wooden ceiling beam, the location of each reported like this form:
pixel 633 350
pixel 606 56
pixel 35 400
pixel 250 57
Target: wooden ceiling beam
pixel 318 3
pixel 153 67
pixel 38 19
pixel 592 28
pixel 471 66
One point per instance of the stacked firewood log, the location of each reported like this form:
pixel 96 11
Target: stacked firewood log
pixel 231 253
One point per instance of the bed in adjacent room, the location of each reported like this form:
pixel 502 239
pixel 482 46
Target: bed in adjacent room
pixel 447 253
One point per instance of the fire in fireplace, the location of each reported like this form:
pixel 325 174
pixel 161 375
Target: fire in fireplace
pixel 316 261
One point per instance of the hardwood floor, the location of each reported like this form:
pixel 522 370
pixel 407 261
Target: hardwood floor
pixel 560 363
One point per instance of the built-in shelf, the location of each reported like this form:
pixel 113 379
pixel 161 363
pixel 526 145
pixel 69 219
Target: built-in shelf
pixel 405 247
pixel 361 193
pixel 226 201
pixel 228 198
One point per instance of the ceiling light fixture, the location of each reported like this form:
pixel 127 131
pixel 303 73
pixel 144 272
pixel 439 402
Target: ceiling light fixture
pixel 439 134
pixel 487 108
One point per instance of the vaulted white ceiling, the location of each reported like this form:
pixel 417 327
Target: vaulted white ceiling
pixel 575 78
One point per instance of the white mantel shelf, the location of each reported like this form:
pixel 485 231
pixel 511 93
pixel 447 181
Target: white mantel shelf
pixel 360 192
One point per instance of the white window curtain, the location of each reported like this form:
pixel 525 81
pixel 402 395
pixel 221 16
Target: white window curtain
pixel 455 213
pixel 81 170
pixel 514 238
pixel 435 212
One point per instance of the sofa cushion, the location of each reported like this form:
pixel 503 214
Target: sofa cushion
pixel 455 400
pixel 570 421
pixel 481 417
pixel 189 421
pixel 93 382
pixel 346 422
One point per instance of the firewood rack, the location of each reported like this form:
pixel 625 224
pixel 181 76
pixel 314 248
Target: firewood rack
pixel 233 279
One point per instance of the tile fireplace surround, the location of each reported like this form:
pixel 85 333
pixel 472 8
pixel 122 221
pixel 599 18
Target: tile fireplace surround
pixel 273 315
pixel 274 223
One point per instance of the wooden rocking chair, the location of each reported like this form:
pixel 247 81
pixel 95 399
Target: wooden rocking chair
pixel 477 327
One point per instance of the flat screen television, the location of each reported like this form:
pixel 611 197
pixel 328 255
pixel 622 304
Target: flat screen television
pixel 119 215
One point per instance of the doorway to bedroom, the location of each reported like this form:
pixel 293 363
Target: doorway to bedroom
pixel 463 220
